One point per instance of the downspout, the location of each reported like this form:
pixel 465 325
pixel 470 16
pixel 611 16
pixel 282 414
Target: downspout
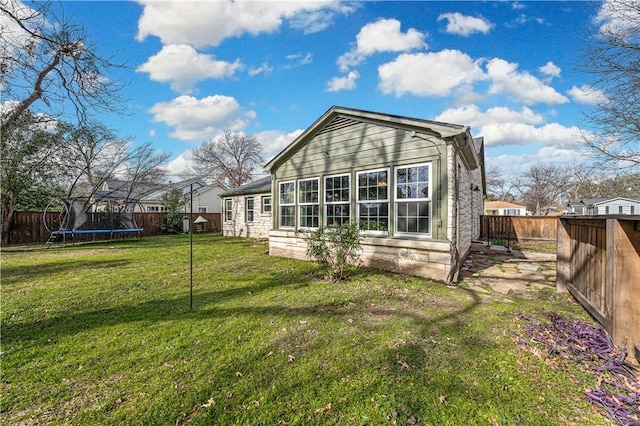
pixel 454 273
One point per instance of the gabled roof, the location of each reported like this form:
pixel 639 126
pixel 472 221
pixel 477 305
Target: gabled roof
pixel 255 187
pixel 330 120
pixel 502 205
pixel 596 201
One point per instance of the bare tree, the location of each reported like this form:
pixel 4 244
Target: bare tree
pixel 498 187
pixel 542 187
pixel 231 159
pixel 48 64
pixel 94 154
pixel 612 56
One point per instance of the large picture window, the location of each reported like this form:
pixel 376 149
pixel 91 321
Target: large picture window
pixel 309 202
pixel 413 199
pixel 287 204
pixel 337 200
pixel 373 200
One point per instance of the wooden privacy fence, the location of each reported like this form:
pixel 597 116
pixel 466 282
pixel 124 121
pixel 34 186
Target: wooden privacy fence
pixel 519 228
pixel 599 264
pixel 28 227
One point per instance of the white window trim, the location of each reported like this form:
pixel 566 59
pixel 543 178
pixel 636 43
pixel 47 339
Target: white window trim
pixel 300 204
pixel 402 200
pixel 205 209
pixel 357 196
pixel 280 204
pixel 262 200
pixel 226 209
pixel 246 209
pixel 330 203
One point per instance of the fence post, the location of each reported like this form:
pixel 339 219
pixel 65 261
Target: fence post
pixel 563 258
pixel 622 283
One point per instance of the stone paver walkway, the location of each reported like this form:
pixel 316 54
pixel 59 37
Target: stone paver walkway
pixel 504 270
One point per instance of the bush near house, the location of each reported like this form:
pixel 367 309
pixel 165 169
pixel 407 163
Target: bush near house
pixel 103 334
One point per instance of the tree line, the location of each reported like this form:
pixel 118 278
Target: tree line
pixel 545 187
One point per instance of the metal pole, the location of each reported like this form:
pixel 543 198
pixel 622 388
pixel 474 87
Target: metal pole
pixel 191 250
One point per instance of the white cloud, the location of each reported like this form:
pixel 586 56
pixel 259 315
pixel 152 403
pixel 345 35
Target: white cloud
pixel 515 164
pixel 586 94
pixel 262 69
pixel 198 119
pixel 550 69
pixel 522 86
pixel 299 59
pixel 180 165
pixel 618 17
pixel 183 67
pixel 472 116
pixel 464 25
pixel 428 74
pixel 384 35
pixel 555 134
pixel 274 141
pixel 347 82
pixel 208 23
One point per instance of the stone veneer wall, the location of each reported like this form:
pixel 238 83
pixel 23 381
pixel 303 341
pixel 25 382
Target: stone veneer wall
pixel 239 227
pixel 426 259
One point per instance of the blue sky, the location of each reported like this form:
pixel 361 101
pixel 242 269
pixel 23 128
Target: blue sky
pixel 507 69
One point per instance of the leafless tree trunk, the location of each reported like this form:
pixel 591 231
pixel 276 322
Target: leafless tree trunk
pixel 232 159
pixel 542 187
pixel 48 65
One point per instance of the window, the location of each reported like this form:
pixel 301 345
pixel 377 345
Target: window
pixel 228 212
pixel 156 209
pixel 309 203
pixel 248 209
pixel 511 212
pixel 413 199
pixel 373 200
pixel 337 201
pixel 287 194
pixel 202 209
pixel 266 204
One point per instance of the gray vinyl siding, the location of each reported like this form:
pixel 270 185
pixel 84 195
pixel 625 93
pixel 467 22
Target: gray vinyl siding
pixel 614 206
pixel 349 146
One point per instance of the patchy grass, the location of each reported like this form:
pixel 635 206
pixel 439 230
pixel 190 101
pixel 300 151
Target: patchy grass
pixel 103 334
pixel 539 247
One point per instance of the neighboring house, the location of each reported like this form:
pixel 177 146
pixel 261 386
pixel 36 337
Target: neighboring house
pixel 246 211
pixel 412 184
pixel 206 198
pixel 503 208
pixel 601 206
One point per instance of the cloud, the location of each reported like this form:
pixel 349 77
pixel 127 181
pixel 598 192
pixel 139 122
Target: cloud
pixel 198 119
pixel 464 25
pixel 472 116
pixel 515 164
pixel 298 59
pixel 274 141
pixel 183 67
pixel 208 23
pixel 619 18
pixel 521 86
pixel 428 74
pixel 347 82
pixel 262 69
pixel 384 35
pixel 180 165
pixel 586 94
pixel 550 69
pixel 553 134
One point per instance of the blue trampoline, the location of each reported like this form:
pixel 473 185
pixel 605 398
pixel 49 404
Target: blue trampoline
pixel 86 216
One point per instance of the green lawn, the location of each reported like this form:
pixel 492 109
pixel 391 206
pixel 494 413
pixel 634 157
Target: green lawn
pixel 103 334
